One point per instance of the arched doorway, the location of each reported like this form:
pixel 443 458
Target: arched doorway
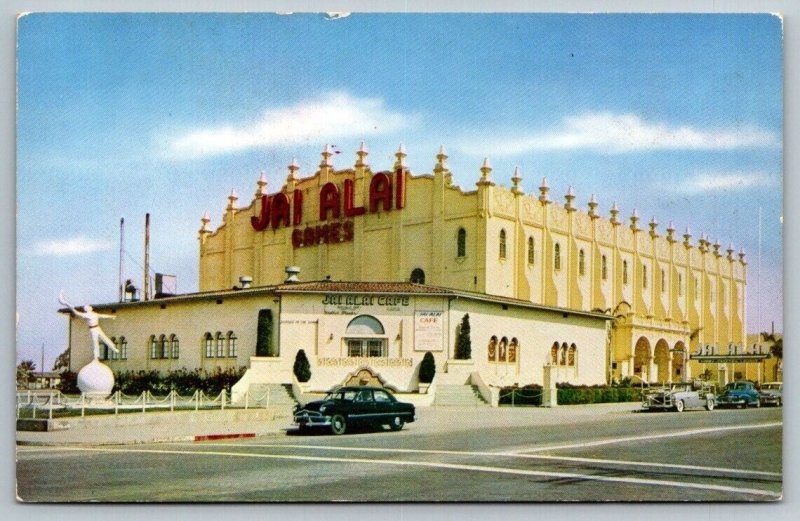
pixel 678 371
pixel 661 358
pixel 641 359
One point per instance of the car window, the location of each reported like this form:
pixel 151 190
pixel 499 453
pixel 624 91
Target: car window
pixel 364 396
pixel 348 396
pixel 382 397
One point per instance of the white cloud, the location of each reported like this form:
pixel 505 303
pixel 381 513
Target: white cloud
pixel 332 116
pixel 724 182
pixel 610 133
pixel 65 247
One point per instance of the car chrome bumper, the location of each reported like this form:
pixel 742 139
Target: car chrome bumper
pixel 312 420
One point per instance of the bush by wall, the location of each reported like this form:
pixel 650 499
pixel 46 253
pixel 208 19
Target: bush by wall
pixel 302 367
pixel 427 369
pixel 569 394
pixel 183 381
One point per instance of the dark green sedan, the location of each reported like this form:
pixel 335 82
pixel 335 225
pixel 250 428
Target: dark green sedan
pixel 354 406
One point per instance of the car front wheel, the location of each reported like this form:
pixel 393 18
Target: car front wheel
pixel 679 406
pixel 710 405
pixel 396 423
pixel 338 424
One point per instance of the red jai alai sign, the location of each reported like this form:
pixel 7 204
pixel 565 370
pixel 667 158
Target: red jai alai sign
pixel 335 209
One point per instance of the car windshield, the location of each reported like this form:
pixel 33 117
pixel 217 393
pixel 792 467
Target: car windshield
pixel 771 387
pixel 681 387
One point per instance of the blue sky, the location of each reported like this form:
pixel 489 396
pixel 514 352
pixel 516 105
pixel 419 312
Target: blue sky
pixel 678 116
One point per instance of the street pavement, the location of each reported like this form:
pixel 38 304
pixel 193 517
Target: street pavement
pixel 149 427
pixel 607 452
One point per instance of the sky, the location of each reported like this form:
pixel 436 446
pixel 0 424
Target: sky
pixel 118 115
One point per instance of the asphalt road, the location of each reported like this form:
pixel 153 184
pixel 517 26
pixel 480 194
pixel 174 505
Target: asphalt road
pixel 724 455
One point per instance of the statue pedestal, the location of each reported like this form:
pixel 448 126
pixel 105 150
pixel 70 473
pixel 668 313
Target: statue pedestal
pixel 95 380
pixel 549 391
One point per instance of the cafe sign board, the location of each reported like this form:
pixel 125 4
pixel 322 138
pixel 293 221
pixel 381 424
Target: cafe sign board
pixel 428 330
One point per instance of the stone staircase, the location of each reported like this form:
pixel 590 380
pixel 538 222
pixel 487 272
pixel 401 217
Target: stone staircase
pixel 273 395
pixel 458 395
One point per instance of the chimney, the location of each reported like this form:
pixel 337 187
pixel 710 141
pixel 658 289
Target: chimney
pixel 291 274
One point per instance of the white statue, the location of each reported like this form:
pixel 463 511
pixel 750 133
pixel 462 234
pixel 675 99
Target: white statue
pixel 93 321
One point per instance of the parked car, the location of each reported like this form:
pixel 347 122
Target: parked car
pixel 771 393
pixel 739 394
pixel 678 397
pixel 351 406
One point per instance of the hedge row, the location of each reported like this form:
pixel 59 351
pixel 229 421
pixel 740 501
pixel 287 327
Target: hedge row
pixel 570 394
pixel 183 381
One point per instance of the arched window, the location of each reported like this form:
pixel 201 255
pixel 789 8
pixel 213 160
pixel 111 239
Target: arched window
pixel 502 244
pixel 625 272
pixel 209 344
pixel 417 276
pixel 644 276
pixel 362 337
pixel 461 250
pixel 554 354
pixel 123 348
pixel 176 347
pixel 531 251
pixel 502 350
pixel 220 345
pixel 493 349
pixel 663 281
pixel 571 354
pixel 163 347
pixel 581 263
pixel 232 345
pixel 513 347
pixel 557 257
pixel 563 354
pixel 604 267
pixel 153 346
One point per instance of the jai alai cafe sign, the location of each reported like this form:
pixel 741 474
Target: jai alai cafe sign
pixel 336 208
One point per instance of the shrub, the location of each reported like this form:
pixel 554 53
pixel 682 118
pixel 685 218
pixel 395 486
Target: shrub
pixel 302 368
pixel 427 369
pixel 463 341
pixel 69 382
pixel 182 381
pixel 526 395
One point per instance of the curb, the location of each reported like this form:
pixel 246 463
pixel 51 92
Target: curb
pixel 215 437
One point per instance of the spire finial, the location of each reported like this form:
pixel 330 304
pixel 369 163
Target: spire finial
pixel 361 155
pixel 614 213
pixel 232 199
pixel 687 237
pixel 486 170
pixel 441 160
pixel 543 189
pixel 401 156
pixel 204 226
pixel 570 197
pixel 326 157
pixel 261 184
pixel 635 220
pixel 653 226
pixel 516 179
pixel 293 168
pixel 593 207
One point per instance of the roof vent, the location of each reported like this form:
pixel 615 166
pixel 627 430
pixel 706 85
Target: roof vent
pixel 291 274
pixel 245 282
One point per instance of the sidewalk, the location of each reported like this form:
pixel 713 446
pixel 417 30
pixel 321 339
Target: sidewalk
pixel 151 427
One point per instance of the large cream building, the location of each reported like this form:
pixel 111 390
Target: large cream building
pixel 601 297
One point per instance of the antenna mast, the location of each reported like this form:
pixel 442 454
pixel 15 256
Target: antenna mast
pixel 121 261
pixel 146 287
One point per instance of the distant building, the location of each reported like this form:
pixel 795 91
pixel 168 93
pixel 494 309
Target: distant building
pixel 393 261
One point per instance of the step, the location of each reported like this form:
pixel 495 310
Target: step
pixel 458 395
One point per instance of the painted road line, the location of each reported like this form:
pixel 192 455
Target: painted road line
pixel 438 465
pixel 719 470
pixel 649 437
